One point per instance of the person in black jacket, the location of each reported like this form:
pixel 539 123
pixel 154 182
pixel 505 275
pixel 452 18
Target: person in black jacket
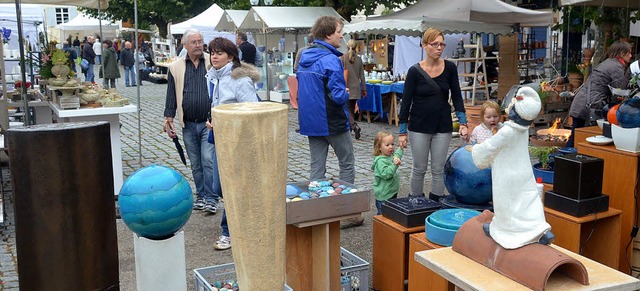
pixel 90 56
pixel 247 50
pixel 128 62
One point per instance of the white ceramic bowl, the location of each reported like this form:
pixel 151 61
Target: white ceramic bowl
pixel 600 123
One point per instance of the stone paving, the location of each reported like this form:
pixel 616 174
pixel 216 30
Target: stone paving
pixel 143 140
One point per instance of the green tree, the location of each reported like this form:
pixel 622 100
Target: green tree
pixel 161 12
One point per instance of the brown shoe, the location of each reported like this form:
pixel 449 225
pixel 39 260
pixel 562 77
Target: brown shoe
pixel 352 222
pixel 356 130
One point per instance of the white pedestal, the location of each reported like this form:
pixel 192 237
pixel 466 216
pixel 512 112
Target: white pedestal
pixel 160 264
pixel 278 96
pixel 110 114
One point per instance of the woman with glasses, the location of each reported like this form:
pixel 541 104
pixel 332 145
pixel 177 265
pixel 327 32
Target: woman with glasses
pixel 425 114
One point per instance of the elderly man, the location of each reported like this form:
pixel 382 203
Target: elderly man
pixel 187 96
pixel 128 62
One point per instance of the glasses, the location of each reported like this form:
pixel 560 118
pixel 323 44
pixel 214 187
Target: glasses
pixel 436 45
pixel 196 42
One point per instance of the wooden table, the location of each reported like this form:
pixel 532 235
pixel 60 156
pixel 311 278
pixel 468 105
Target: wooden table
pixel 619 182
pixel 581 134
pixel 466 274
pixel 391 253
pixel 421 278
pixel 110 114
pixel 575 234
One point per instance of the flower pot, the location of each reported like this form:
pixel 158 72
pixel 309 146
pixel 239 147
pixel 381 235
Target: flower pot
pixel 575 79
pixel 546 175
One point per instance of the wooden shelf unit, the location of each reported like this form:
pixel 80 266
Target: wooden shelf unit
pixel 420 277
pixel 470 70
pixel 391 253
pixel 619 182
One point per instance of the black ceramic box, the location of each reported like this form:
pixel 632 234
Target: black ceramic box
pixel 576 207
pixel 409 211
pixel 578 176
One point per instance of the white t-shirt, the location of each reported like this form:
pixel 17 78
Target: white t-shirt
pixel 97 48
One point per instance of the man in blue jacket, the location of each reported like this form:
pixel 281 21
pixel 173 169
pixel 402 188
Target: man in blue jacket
pixel 322 95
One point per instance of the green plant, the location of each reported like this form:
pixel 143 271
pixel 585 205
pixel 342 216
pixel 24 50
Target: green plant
pixel 542 155
pixel 544 95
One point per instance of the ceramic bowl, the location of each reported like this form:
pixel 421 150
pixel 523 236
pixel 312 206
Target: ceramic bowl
pixel 628 113
pixel 441 226
pixel 600 123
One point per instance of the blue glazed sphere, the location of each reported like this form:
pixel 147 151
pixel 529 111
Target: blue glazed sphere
pixel 465 181
pixel 155 202
pixel 628 113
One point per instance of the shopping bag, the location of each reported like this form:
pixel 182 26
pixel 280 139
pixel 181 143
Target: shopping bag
pixel 84 64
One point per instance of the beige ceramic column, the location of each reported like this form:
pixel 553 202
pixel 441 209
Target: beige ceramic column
pixel 251 144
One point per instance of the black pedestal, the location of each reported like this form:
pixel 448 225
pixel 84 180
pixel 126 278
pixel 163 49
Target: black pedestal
pixel 578 176
pixel 576 207
pixel 409 211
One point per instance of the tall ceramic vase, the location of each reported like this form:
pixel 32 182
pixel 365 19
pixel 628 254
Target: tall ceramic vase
pixel 251 146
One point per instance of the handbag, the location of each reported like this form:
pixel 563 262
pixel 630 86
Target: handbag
pixel 594 112
pixel 84 64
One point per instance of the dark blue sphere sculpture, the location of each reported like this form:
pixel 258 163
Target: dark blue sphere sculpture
pixel 628 113
pixel 465 181
pixel 155 202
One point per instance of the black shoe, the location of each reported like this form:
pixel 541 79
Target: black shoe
pixel 434 197
pixel 356 130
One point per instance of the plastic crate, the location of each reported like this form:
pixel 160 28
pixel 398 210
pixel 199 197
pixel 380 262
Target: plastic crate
pixel 223 273
pixel 354 272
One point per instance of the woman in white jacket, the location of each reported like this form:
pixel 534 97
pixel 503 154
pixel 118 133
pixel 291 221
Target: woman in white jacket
pixel 229 81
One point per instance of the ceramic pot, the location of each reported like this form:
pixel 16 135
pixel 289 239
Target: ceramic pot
pixel 546 175
pixel 60 70
pixel 57 81
pixel 628 113
pixel 612 114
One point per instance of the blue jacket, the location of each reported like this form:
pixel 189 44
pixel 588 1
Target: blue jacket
pixel 322 94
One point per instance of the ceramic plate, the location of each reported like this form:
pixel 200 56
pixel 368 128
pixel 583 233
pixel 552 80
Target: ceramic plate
pixel 599 140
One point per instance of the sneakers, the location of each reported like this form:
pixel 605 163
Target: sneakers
pixel 211 207
pixel 356 130
pixel 223 243
pixel 199 204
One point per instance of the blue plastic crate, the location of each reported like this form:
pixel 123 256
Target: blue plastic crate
pixel 354 272
pixel 221 273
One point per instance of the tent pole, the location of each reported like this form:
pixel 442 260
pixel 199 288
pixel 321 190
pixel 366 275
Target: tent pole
pixel 139 80
pixel 23 72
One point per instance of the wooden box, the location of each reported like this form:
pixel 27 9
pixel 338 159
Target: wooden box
pixel 327 207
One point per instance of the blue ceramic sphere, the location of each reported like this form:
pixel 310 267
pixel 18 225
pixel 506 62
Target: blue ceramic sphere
pixel 465 181
pixel 628 113
pixel 155 202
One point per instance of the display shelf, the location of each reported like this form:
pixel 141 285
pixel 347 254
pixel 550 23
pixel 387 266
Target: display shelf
pixel 470 69
pixel 421 278
pixel 162 50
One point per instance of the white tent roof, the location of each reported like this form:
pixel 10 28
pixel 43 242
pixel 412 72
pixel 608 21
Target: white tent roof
pixel 487 11
pixel 417 26
pixel 208 18
pixel 634 4
pixel 277 17
pixel 86 22
pixel 231 20
pixel 104 4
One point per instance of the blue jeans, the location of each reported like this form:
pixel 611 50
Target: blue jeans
pixel 217 189
pixel 379 204
pixel 89 77
pixel 200 152
pixel 129 71
pixel 98 59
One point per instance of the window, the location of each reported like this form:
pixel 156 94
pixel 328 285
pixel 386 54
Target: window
pixel 62 15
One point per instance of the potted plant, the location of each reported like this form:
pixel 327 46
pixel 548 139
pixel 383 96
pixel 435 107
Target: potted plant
pixel 544 167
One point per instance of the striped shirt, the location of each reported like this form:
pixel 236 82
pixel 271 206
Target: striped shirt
pixel 195 103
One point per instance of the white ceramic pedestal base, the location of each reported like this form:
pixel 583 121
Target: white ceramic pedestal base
pixel 160 264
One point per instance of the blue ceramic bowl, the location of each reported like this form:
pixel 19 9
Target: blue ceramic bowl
pixel 628 113
pixel 465 181
pixel 568 151
pixel 441 226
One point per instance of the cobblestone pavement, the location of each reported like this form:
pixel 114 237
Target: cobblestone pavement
pixel 150 145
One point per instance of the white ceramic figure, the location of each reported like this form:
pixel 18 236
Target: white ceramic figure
pixel 519 213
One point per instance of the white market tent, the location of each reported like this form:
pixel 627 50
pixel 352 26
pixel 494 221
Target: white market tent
pixel 84 25
pixel 231 20
pixel 104 4
pixel 487 11
pixel 32 19
pixel 207 19
pixel 275 17
pixel 415 27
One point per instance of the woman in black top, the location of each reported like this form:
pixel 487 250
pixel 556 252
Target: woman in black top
pixel 425 113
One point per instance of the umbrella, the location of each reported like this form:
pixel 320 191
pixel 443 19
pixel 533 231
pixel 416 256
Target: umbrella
pixel 180 151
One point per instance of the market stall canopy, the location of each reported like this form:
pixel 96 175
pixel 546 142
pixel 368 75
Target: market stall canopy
pixel 633 4
pixel 104 4
pixel 87 23
pixel 487 11
pixel 231 20
pixel 208 18
pixel 417 26
pixel 277 17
